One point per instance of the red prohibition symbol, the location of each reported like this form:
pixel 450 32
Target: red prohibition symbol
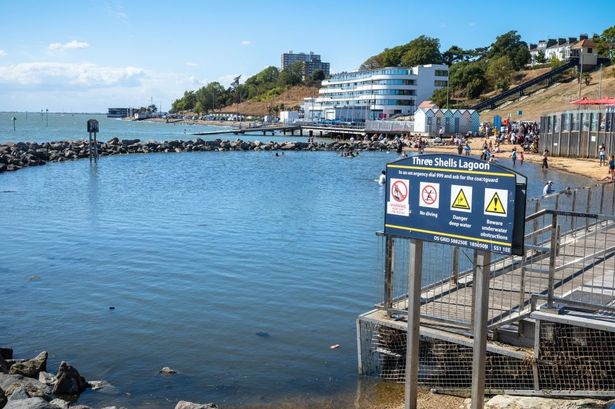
pixel 429 194
pixel 399 191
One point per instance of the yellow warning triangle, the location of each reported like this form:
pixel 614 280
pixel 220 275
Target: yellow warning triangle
pixel 461 202
pixel 495 205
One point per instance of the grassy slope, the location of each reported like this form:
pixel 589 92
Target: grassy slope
pixel 291 97
pixel 555 98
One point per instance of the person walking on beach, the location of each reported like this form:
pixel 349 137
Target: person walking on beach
pixel 467 148
pixel 612 166
pixel 602 154
pixel 513 156
pixel 545 160
pixel 521 156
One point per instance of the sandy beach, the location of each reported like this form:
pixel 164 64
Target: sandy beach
pixel 580 166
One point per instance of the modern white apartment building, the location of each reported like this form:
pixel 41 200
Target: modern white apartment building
pixel 375 94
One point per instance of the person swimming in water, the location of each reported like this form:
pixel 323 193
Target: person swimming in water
pixel 383 178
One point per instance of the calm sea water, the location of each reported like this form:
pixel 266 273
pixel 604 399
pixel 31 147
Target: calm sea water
pixel 34 126
pixel 237 269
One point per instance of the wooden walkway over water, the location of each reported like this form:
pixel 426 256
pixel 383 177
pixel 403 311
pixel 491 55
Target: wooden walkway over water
pixel 256 129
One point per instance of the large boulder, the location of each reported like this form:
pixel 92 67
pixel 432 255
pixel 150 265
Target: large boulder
pixel 9 383
pixel 6 353
pixel 2 398
pixel 182 404
pixel 30 403
pixel 31 367
pixel 19 393
pixel 68 381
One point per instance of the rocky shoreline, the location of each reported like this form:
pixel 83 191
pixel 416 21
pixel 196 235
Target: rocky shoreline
pixel 26 384
pixel 14 156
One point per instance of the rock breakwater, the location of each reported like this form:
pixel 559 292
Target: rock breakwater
pixel 14 156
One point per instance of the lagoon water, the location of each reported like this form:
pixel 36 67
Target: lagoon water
pixel 237 269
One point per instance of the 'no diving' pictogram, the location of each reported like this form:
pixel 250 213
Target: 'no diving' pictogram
pixel 399 191
pixel 430 195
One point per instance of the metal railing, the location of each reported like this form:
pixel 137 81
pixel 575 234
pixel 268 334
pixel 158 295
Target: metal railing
pixel 568 259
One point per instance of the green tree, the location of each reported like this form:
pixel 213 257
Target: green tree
pixel 510 45
pixel 540 57
pixel 198 107
pixel 499 72
pixel 422 50
pixel 587 78
pixel 371 63
pixel 606 42
pixel 453 55
pixel 439 97
pixel 318 76
pixel 475 87
pixel 554 62
pixel 292 75
pixel 468 78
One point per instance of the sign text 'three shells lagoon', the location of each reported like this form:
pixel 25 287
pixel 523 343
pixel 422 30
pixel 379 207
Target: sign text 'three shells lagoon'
pixel 456 200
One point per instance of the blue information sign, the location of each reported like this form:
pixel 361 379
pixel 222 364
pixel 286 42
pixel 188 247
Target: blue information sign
pixel 456 200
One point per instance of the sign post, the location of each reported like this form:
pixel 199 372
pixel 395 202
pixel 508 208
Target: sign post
pixel 463 202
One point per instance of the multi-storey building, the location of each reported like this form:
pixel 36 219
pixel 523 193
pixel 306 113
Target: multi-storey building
pixel 375 94
pixel 311 62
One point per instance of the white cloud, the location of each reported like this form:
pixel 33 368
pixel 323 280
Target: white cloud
pixel 2 53
pixel 191 64
pixel 66 75
pixel 79 87
pixel 71 45
pixel 246 42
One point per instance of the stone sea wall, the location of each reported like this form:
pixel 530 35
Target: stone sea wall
pixel 14 156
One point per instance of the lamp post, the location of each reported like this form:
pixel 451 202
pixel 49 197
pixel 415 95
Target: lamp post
pixel 13 119
pixel 47 116
pixel 448 74
pixel 580 70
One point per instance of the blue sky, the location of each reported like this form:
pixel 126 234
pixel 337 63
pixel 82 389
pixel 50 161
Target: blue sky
pixel 88 55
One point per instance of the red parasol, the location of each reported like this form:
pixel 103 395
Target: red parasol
pixel 599 101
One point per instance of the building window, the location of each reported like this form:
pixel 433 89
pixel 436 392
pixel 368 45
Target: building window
pixel 441 73
pixel 440 83
pixel 589 50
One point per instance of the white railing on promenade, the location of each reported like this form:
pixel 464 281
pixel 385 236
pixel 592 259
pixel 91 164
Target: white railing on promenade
pixel 389 126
